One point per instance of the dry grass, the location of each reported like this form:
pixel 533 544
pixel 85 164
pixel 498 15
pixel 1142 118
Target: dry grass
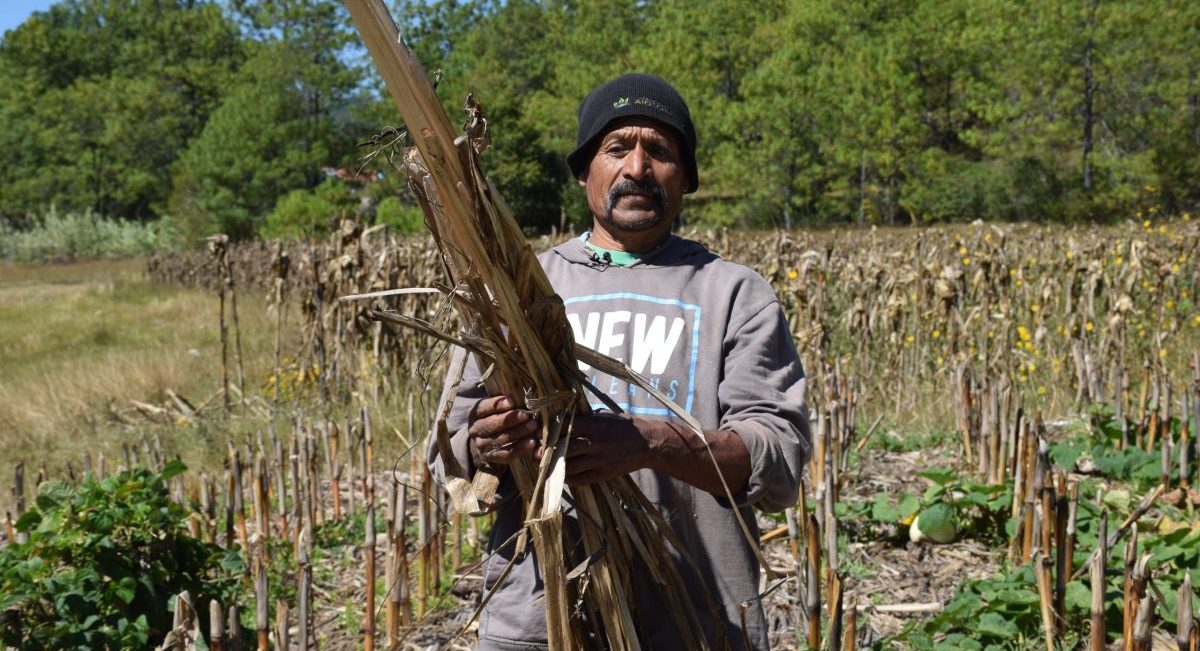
pixel 79 341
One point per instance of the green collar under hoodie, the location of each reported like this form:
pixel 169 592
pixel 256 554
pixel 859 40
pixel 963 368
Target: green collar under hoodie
pixel 581 250
pixel 611 256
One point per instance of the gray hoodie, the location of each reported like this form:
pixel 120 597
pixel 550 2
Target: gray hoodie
pixel 712 336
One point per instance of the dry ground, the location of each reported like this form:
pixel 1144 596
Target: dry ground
pixel 892 580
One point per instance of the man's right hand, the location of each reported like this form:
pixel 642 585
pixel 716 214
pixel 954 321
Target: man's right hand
pixel 500 433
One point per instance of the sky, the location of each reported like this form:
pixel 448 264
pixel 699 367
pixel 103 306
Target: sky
pixel 14 12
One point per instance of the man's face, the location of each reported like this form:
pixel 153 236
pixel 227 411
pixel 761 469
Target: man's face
pixel 636 180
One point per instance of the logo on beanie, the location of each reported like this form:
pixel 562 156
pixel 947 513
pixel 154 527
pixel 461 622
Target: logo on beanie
pixel 654 104
pixel 621 103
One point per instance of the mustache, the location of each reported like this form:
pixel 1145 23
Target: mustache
pixel 630 186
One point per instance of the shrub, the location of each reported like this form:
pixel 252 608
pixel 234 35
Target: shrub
pixel 299 213
pixel 310 213
pixel 72 235
pixel 405 218
pixel 101 563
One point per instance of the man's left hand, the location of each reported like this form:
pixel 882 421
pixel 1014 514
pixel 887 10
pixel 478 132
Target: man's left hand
pixel 603 446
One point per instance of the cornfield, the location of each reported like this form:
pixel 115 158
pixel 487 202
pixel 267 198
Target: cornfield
pixel 1003 339
pixel 1054 369
pixel 1058 315
pixel 1050 364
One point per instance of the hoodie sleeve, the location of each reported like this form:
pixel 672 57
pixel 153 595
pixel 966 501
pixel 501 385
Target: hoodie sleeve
pixel 470 391
pixel 762 400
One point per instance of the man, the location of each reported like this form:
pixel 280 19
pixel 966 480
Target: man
pixel 708 333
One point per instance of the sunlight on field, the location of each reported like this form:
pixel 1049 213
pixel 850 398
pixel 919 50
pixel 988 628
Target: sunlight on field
pixel 968 384
pixel 78 342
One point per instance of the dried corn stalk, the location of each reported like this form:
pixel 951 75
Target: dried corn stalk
pixel 516 326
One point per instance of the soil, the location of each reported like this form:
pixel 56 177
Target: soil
pixel 891 580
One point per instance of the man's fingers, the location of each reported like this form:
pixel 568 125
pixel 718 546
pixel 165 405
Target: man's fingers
pixel 508 438
pixel 506 453
pixel 500 434
pixel 586 477
pixel 579 446
pixel 585 457
pixel 490 406
pixel 490 426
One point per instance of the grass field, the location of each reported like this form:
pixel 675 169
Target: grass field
pixel 79 341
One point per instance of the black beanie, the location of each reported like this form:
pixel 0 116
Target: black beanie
pixel 633 94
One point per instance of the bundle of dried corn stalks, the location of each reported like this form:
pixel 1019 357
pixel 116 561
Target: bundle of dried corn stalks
pixel 515 325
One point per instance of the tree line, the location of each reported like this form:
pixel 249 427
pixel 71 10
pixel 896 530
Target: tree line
pixel 227 116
